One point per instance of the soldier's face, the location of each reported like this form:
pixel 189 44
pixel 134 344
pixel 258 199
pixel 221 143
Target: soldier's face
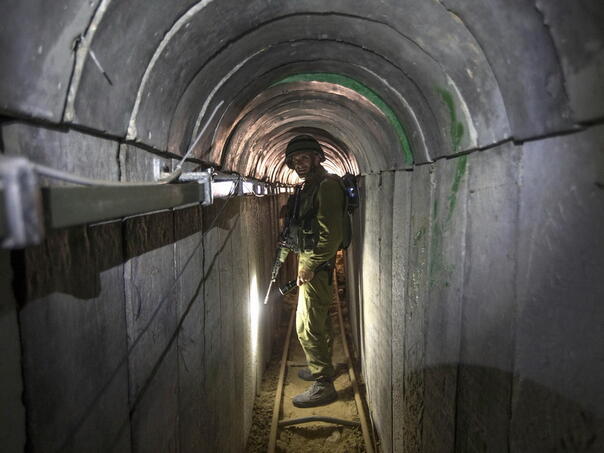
pixel 304 162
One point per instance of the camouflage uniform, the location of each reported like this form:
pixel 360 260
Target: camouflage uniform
pixel 313 323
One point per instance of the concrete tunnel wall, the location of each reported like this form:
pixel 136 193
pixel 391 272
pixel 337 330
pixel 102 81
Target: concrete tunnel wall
pixel 477 129
pixel 117 352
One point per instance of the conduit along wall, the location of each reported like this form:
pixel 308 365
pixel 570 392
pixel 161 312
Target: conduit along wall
pixel 477 131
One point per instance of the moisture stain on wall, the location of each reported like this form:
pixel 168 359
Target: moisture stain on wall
pixel 363 90
pixel 440 271
pixel 457 128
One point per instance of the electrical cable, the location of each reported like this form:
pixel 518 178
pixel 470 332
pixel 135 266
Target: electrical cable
pixel 178 276
pixel 179 165
pixel 162 301
pixel 84 181
pixel 170 292
pixel 165 297
pixel 60 175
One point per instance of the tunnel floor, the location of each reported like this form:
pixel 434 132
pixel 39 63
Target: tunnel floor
pixel 313 437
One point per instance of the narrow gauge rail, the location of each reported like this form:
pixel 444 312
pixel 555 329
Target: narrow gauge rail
pixel 279 423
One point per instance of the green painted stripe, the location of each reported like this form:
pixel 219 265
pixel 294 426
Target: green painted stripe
pixel 457 129
pixel 363 90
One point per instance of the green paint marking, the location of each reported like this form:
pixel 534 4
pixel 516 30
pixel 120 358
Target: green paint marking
pixel 457 129
pixel 365 91
pixel 420 233
pixel 462 163
pixel 440 271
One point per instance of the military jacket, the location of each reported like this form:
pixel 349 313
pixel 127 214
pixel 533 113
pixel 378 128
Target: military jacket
pixel 321 216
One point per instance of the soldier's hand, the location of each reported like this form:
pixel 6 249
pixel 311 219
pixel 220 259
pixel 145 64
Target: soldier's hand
pixel 304 276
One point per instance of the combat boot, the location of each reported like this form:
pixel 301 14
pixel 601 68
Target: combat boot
pixel 318 394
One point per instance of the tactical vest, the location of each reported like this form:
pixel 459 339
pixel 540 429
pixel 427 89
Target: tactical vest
pixel 302 233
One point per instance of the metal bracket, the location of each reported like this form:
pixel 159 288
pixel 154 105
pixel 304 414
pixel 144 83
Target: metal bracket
pixel 205 179
pixel 201 177
pixel 21 219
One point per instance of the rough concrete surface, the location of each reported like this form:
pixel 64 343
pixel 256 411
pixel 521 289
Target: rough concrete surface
pixel 37 38
pixel 66 150
pixel 487 341
pixel 560 293
pixel 73 332
pixel 476 267
pixel 12 412
pixel 190 316
pixel 411 413
pixel 443 313
pixel 401 214
pixel 381 312
pixel 580 52
pixel 370 295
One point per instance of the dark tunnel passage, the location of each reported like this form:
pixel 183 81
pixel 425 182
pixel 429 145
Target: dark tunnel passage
pixel 475 271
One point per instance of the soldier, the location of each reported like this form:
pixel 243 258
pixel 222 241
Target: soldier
pixel 319 226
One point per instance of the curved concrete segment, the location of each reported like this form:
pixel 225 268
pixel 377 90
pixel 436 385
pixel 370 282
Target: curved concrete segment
pixel 366 92
pixel 475 269
pixel 273 118
pixel 143 71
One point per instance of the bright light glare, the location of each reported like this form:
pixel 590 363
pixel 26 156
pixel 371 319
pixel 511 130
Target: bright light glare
pixel 254 315
pixel 222 189
pixel 333 168
pixel 248 187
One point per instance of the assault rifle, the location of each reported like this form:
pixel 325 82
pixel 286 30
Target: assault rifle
pixel 286 242
pixel 288 238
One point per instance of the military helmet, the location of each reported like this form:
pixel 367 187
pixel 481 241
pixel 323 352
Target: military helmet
pixel 301 144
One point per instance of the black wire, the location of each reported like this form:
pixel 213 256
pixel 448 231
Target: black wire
pixel 82 180
pixel 182 271
pixel 125 358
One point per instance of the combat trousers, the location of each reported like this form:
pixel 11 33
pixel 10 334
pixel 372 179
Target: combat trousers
pixel 313 324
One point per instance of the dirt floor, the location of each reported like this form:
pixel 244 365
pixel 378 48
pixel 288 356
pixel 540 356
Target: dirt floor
pixel 313 437
pixel 263 408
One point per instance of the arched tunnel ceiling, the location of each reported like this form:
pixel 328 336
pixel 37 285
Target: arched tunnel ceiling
pixel 348 124
pixel 456 74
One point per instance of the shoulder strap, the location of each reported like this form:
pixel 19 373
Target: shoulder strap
pixel 317 185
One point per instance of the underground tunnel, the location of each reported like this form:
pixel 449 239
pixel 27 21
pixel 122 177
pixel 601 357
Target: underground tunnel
pixel 131 311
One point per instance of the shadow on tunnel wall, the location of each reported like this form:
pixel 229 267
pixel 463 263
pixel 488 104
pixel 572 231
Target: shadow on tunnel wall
pixel 538 419
pixel 71 260
pixel 80 352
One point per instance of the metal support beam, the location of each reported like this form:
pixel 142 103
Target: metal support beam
pixel 69 206
pixel 26 209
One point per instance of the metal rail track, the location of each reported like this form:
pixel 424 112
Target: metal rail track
pixel 277 423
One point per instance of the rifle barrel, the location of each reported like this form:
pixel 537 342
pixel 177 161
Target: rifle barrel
pixel 268 292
